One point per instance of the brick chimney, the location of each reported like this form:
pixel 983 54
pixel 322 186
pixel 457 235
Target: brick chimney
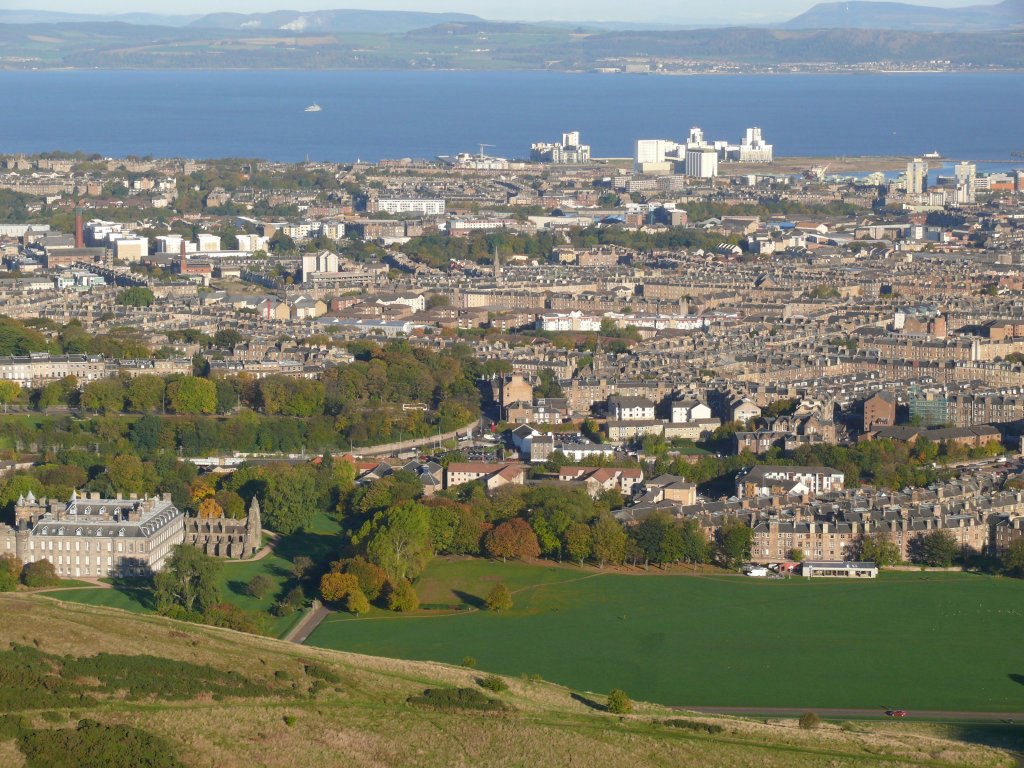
pixel 79 235
pixel 183 261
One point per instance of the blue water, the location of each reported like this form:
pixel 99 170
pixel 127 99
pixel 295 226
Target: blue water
pixel 373 115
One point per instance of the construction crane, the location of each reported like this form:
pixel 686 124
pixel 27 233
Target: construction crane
pixel 482 145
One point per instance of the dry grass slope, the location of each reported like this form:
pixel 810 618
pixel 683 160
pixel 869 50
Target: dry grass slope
pixel 365 721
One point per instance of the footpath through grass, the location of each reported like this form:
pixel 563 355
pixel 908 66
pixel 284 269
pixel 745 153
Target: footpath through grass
pixel 912 640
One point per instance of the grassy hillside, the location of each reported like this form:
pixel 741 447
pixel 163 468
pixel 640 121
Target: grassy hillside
pixel 241 700
pixel 719 640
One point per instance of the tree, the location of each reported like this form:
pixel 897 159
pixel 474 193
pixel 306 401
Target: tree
pixel 734 542
pixel 398 540
pixel 356 602
pixel 146 393
pixel 649 534
pixel 190 394
pixel 290 499
pixel 227 338
pixel 10 570
pixel 103 396
pixel 335 587
pixel 371 577
pixel 231 504
pixel 259 585
pixel 301 566
pixel 795 554
pixel 189 580
pixel 209 509
pixel 695 545
pixel 1013 559
pixel 672 545
pixel 609 541
pixel 879 548
pixel 136 296
pixel 227 397
pixel 128 474
pixel 619 702
pixel 401 596
pixel 9 391
pixel 577 542
pixel 513 538
pixel 936 549
pixel 41 573
pixel 499 599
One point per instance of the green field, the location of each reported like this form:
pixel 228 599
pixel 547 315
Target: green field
pixel 913 640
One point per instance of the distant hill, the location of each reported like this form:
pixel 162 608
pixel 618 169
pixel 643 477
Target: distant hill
pixel 18 16
pixel 903 16
pixel 350 21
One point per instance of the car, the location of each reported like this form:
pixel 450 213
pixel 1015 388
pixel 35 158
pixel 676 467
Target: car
pixel 896 712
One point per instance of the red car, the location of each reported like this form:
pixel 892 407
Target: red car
pixel 896 713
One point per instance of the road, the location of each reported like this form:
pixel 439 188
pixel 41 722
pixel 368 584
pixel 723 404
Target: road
pixel 305 627
pixel 912 714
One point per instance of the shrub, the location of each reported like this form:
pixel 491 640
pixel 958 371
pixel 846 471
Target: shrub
pixel 494 683
pixel 402 597
pixel 694 725
pixel 469 661
pixel 809 720
pixel 456 698
pixel 259 585
pixel 40 574
pixel 500 599
pixel 320 672
pixel 289 720
pixel 619 703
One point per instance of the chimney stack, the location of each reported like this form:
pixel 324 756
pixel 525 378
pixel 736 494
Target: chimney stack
pixel 183 263
pixel 79 236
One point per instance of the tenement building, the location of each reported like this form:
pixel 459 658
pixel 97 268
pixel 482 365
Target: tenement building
pixel 94 537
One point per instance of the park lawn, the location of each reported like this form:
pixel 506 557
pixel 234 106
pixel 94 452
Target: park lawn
pixel 134 600
pixel 906 640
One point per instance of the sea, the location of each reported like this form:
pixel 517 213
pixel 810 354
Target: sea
pixel 371 115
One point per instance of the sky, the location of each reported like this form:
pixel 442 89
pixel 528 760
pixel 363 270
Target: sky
pixel 648 11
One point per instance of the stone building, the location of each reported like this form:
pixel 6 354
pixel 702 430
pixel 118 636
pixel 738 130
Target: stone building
pixel 88 536
pixel 225 537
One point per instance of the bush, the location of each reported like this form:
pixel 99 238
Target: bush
pixel 301 566
pixel 39 574
pixel 289 720
pixel 494 683
pixel 694 725
pixel 259 585
pixel 320 672
pixel 469 662
pixel 500 599
pixel 619 703
pixel 456 698
pixel 809 720
pixel 402 597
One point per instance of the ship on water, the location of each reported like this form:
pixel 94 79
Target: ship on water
pixel 314 107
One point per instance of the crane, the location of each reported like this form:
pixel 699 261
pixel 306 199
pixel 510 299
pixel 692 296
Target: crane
pixel 482 145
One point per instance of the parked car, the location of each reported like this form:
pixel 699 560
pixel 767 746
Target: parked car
pixel 896 713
